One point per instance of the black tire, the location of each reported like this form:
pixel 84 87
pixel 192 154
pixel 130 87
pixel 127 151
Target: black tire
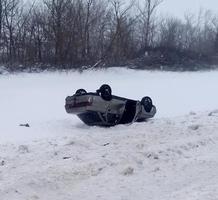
pixel 147 103
pixel 80 92
pixel 105 92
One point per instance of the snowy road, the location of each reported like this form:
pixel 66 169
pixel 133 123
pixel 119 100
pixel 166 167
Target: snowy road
pixel 173 156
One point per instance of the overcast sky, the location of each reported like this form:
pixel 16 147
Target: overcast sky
pixel 179 7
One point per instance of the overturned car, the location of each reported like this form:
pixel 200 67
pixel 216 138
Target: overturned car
pixel 101 108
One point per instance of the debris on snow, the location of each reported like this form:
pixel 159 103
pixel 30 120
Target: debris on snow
pixel 128 171
pixel 23 149
pixel 213 113
pixel 192 113
pixel 153 156
pixel 66 158
pixel 25 125
pixel 2 163
pixel 71 143
pixel 194 127
pixel 106 144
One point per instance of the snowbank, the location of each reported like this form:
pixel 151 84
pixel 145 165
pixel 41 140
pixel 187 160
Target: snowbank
pixel 161 159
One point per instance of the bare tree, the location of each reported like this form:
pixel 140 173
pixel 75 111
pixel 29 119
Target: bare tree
pixel 57 10
pixel 121 28
pixel 147 10
pixel 171 33
pixel 83 32
pixel 12 14
pixel 1 18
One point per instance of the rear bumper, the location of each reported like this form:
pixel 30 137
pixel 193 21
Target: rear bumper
pixel 78 104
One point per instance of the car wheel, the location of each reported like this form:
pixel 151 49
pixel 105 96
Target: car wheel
pixel 147 103
pixel 80 92
pixel 105 92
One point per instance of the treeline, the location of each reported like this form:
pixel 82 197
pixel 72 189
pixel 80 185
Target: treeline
pixel 75 33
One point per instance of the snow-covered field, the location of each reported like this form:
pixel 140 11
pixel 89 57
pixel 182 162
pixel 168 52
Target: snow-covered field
pixel 173 156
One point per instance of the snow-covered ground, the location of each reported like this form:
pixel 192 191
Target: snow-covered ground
pixel 173 156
